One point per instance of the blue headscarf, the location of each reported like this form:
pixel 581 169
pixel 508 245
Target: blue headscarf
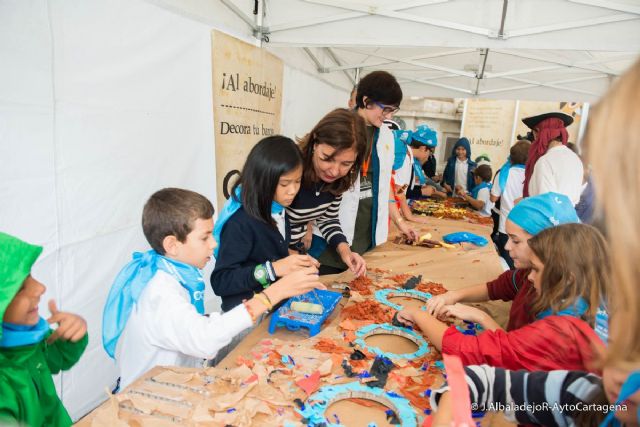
pixel 426 135
pixel 230 207
pixel 402 138
pixel 543 211
pixel 131 282
pixel 504 172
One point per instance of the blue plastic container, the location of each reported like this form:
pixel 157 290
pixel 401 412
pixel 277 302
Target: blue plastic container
pixel 294 320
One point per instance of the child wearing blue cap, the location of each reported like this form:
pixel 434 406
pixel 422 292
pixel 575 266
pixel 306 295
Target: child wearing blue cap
pixel 526 219
pixel 423 141
pixel 406 170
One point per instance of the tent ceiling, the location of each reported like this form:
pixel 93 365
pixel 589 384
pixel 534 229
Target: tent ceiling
pixel 526 49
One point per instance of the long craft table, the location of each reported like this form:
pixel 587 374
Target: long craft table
pixel 466 265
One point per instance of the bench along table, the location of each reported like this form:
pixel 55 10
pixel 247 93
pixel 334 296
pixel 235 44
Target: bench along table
pixel 259 382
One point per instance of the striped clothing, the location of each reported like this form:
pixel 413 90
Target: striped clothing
pixel 550 398
pixel 323 209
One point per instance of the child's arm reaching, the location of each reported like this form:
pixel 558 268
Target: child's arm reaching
pixel 471 314
pixel 431 328
pixel 475 203
pixel 177 326
pixel 477 293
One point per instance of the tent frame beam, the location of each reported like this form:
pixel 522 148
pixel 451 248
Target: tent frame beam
pixel 411 58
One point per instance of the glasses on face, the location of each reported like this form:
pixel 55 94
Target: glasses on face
pixel 387 109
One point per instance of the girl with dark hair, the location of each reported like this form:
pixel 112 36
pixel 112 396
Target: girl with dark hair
pixel 367 206
pixel 252 229
pixel 332 156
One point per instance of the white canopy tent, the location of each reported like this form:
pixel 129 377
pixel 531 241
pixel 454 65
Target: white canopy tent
pixel 505 49
pixel 102 103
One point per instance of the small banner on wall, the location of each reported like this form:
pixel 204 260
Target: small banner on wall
pixel 247 100
pixel 488 126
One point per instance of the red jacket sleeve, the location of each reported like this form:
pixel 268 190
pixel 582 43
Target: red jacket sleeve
pixel 555 342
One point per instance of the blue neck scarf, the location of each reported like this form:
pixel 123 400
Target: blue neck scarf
pixel 601 324
pixel 18 335
pixel 629 388
pixel 477 188
pixel 504 173
pixel 578 309
pixel 417 170
pixel 230 207
pixel 131 282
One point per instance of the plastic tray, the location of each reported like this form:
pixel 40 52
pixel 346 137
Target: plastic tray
pixel 294 320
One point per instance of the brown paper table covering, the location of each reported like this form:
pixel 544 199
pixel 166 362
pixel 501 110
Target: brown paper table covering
pixel 463 266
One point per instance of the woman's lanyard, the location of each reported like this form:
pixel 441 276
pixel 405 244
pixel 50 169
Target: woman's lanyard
pixel 365 166
pixel 365 163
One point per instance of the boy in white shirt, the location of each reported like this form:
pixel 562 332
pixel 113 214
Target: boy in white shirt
pixel 480 198
pixel 154 314
pixel 507 186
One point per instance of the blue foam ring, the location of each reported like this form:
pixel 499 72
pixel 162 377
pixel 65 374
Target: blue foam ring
pixel 382 296
pixel 327 395
pixel 365 331
pixel 439 364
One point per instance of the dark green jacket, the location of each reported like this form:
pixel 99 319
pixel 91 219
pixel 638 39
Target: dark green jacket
pixel 27 393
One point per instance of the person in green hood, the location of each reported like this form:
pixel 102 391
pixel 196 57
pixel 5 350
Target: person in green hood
pixel 30 351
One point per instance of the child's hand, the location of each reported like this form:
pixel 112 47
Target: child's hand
pixel 436 304
pixel 409 233
pixel 427 190
pixel 293 263
pixel 297 283
pixel 407 316
pixel 71 327
pixel 465 312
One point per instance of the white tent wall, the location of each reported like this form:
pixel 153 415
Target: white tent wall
pixel 102 103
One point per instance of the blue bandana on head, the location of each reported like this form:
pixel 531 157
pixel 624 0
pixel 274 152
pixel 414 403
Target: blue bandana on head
pixel 543 211
pixel 130 283
pixel 504 172
pixel 402 138
pixel 230 207
pixel 426 135
pixel 14 335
